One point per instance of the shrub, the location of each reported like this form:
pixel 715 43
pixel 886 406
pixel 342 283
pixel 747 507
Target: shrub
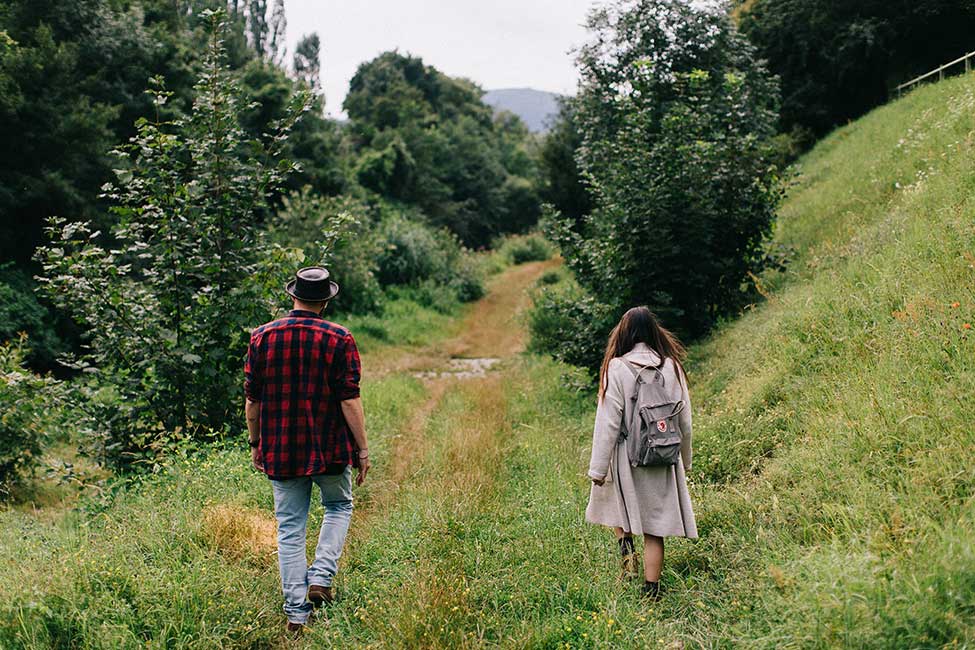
pixel 525 248
pixel 412 252
pixel 467 279
pixel 571 325
pixel 26 417
pixel 549 278
pixel 21 311
pixel 415 254
pixel 339 233
pixel 170 296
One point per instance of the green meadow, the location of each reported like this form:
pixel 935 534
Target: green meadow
pixel 833 473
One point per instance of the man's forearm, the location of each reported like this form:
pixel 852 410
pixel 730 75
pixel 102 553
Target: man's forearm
pixel 252 410
pixel 356 419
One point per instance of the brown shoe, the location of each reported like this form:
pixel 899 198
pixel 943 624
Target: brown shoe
pixel 294 630
pixel 319 595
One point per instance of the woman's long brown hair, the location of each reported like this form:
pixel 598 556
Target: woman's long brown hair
pixel 640 325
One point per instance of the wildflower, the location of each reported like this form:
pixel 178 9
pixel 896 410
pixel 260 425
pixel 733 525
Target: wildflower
pixel 967 326
pixel 955 305
pixel 610 622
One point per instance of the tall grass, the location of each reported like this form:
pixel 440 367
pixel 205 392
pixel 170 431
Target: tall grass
pixel 832 481
pixel 181 559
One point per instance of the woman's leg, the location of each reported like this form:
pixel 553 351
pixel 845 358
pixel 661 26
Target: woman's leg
pixel 653 557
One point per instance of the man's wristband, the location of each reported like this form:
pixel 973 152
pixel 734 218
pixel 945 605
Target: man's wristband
pixel 254 443
pixel 363 453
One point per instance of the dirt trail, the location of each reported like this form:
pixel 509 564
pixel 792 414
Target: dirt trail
pixel 490 330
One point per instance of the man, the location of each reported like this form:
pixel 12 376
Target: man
pixel 306 425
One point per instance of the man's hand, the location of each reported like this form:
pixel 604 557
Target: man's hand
pixel 364 466
pixel 256 460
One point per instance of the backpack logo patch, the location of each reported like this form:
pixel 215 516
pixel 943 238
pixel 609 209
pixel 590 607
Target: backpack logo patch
pixel 662 426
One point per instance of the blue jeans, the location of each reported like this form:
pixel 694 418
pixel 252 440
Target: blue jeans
pixel 291 502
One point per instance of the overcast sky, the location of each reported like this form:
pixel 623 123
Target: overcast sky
pixel 497 43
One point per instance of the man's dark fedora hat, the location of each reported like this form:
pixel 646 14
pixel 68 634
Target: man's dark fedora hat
pixel 312 284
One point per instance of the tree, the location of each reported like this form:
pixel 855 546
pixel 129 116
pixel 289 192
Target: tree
pixel 675 112
pixel 314 142
pixel 837 60
pixel 265 29
pixel 58 106
pixel 563 186
pixel 169 297
pixel 428 140
pixel 307 62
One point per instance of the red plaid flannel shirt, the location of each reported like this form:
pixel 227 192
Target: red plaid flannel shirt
pixel 300 368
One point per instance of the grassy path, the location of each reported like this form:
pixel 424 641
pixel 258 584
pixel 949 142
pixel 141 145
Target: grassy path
pixel 440 473
pixel 832 479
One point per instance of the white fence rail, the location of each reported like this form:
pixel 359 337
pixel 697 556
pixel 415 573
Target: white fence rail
pixel 940 71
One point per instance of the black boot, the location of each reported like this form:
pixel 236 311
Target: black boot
pixel 631 567
pixel 651 590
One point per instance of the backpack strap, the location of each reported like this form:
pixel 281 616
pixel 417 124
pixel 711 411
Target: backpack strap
pixel 637 370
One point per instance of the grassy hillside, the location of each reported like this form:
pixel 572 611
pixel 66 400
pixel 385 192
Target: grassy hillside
pixel 833 477
pixel 835 442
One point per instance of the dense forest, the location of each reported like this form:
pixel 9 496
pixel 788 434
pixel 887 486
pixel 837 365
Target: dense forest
pixel 421 162
pixel 167 164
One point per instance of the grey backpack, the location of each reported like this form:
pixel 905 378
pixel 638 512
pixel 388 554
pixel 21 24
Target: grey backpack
pixel 650 426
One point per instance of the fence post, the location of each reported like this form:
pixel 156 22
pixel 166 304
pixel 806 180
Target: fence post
pixel 968 63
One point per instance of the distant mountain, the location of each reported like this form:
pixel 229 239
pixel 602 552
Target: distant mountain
pixel 535 107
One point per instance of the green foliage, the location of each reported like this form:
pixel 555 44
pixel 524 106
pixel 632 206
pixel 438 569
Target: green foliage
pixel 467 278
pixel 171 296
pixel 388 171
pixel 417 255
pixel 569 324
pixel 54 110
pixel 314 142
pixel 21 311
pixel 524 248
pixel 428 140
pixel 29 402
pixel 838 60
pixel 678 160
pixel 854 530
pixel 563 186
pixel 339 233
pixel 412 252
pixel 550 277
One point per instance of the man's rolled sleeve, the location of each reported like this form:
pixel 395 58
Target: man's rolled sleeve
pixel 348 369
pixel 253 382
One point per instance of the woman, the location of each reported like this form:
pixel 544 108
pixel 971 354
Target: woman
pixel 651 502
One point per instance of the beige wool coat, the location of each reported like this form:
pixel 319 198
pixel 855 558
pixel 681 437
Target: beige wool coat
pixel 640 500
